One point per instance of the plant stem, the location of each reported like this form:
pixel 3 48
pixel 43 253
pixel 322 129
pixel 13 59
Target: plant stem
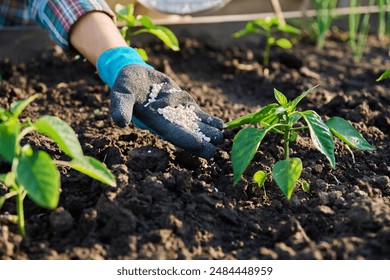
pixel 61 163
pixel 20 212
pixel 381 19
pixel 300 128
pixel 287 135
pixel 286 144
pixel 321 40
pixel 24 132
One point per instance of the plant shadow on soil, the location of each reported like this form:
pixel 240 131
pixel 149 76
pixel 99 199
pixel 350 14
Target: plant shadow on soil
pixel 171 205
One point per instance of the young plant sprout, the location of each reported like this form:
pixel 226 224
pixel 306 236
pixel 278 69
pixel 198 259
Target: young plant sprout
pixel 268 27
pixel 135 25
pixel 323 19
pixel 358 29
pixel 382 28
pixel 282 118
pixel 34 173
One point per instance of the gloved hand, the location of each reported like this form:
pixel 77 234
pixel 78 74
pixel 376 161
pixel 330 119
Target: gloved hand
pixel 155 102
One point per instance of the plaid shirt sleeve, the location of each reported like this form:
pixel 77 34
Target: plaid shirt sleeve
pixel 13 12
pixel 56 16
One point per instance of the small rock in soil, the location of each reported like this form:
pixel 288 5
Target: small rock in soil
pixel 325 210
pixel 183 180
pixel 267 254
pixel 148 157
pixel 290 60
pixel 189 161
pixel 120 171
pixel 293 234
pixel 228 215
pixel 61 220
pixel 284 252
pixel 153 187
pixel 6 247
pixel 113 156
pixel 310 254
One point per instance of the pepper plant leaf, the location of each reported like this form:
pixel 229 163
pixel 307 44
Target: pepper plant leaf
pixel 252 118
pixel 343 130
pixel 2 177
pixel 240 121
pixel 18 106
pixel 145 21
pixel 259 177
pixel 9 132
pixel 286 174
pixel 320 135
pixel 126 14
pixel 245 145
pixel 255 26
pixel 142 53
pixel 265 114
pixel 280 97
pixel 384 75
pixel 293 104
pixel 61 133
pixel 4 115
pixel 284 43
pixel 304 185
pixel 164 34
pixel 288 29
pixel 39 176
pixel 294 118
pixel 94 169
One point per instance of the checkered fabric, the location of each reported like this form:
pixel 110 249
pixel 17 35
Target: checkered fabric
pixel 56 16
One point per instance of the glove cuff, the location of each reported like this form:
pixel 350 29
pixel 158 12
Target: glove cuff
pixel 111 62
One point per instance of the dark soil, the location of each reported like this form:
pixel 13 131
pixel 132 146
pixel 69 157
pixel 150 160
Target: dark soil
pixel 171 205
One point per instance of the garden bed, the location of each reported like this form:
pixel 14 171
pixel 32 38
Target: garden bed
pixel 171 205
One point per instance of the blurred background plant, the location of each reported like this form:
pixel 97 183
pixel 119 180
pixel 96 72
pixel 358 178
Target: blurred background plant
pixel 383 17
pixel 135 25
pixel 322 22
pixel 358 29
pixel 271 28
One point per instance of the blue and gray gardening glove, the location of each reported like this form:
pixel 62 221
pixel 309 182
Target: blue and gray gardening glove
pixel 155 102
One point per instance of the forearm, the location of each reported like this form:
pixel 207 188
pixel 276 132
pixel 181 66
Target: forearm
pixel 59 17
pixel 95 33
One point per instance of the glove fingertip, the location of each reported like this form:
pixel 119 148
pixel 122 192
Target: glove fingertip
pixel 207 151
pixel 119 120
pixel 217 123
pixel 210 120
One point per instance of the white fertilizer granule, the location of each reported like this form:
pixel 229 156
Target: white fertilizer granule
pixel 185 117
pixel 156 88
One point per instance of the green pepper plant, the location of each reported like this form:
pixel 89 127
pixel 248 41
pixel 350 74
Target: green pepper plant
pixel 283 118
pixel 34 173
pixel 268 27
pixel 135 25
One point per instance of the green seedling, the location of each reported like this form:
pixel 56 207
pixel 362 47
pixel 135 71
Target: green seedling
pixel 323 20
pixel 34 173
pixel 382 28
pixel 135 25
pixel 283 118
pixel 384 75
pixel 268 27
pixel 358 29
